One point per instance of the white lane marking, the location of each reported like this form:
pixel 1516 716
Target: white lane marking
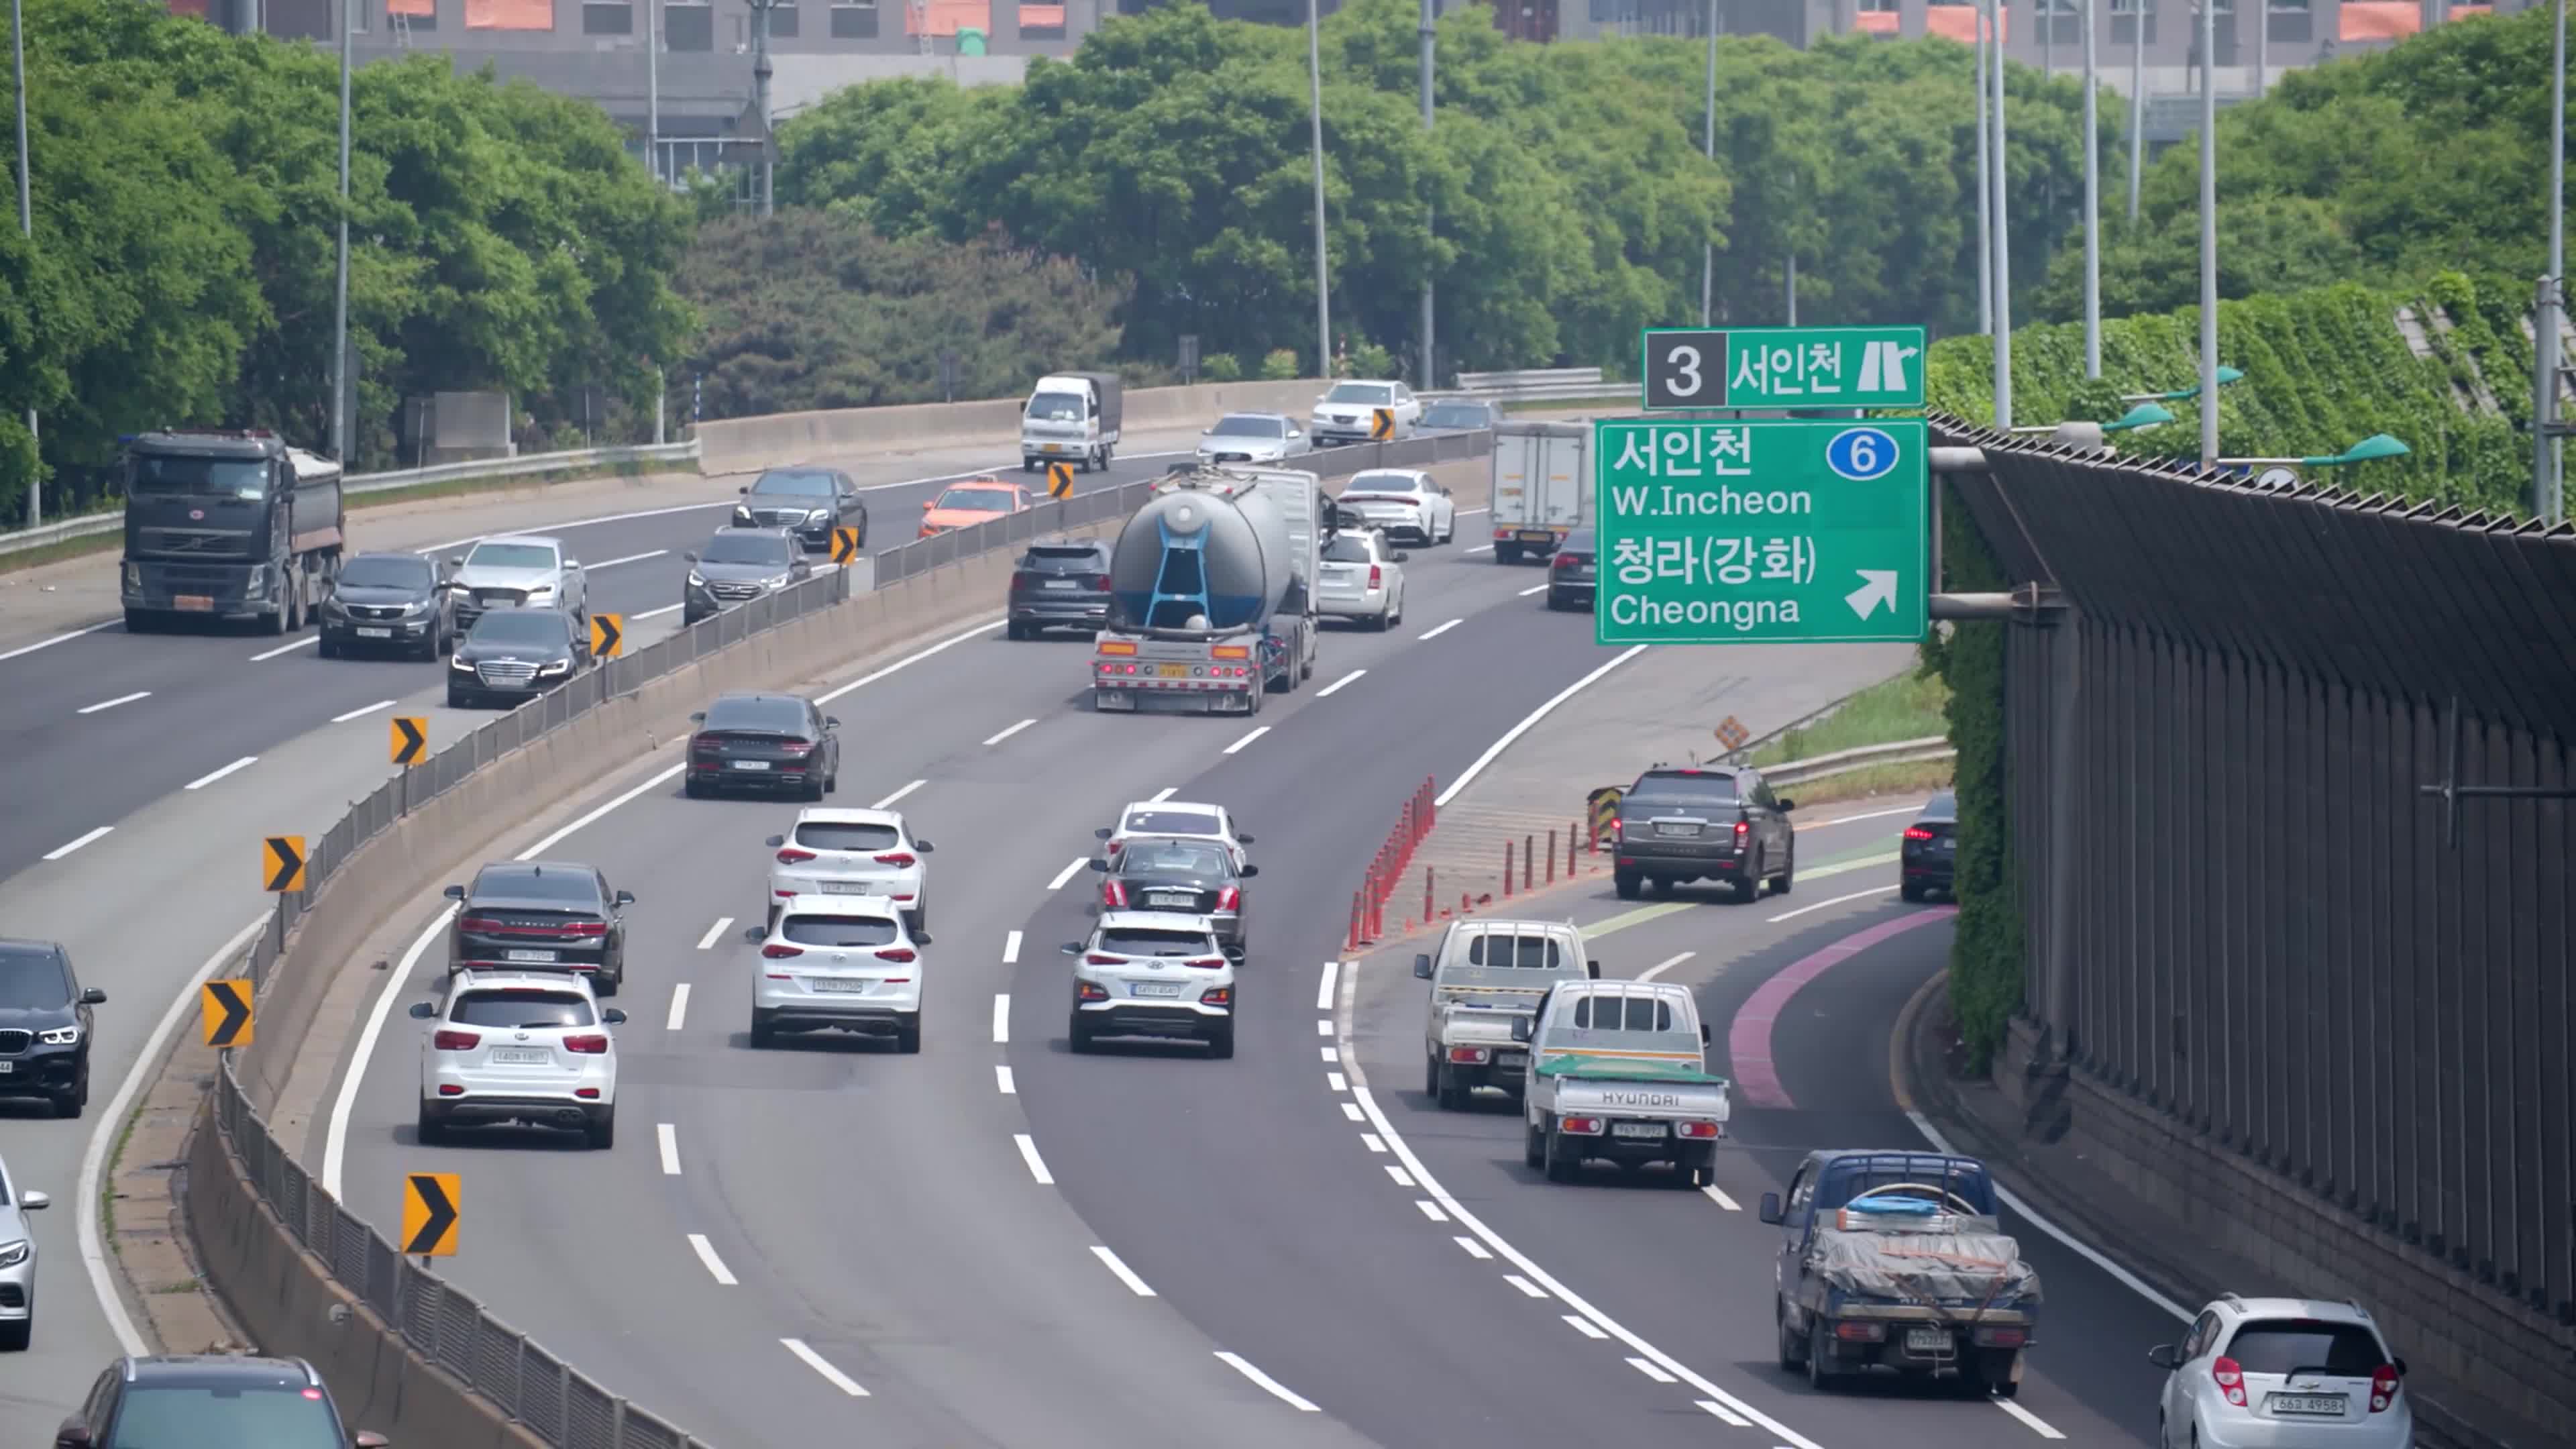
pixel 706 1252
pixel 307 640
pixel 1835 901
pixel 2012 1200
pixel 109 1128
pixel 1352 1111
pixel 1397 1173
pixel 1002 1079
pixel 907 661
pixel 1126 1275
pixel 1667 964
pixel 1332 1054
pixel 1533 589
pixel 1372 1142
pixel 668 1138
pixel 1717 1195
pixel 1324 1028
pixel 1583 1325
pixel 113 703
pixel 1168 791
pixel 1066 874
pixel 707 942
pixel 656 613
pixel 1468 776
pixel 1011 949
pixel 59 639
pixel 1324 993
pixel 1335 687
pixel 897 795
pixel 1474 1249
pixel 1647 1368
pixel 1001 1016
pixel 1276 1389
pixel 202 781
pixel 2038 1425
pixel 1337 1081
pixel 59 851
pixel 1724 1414
pixel 1528 1288
pixel 1439 629
pixel 357 713
pixel 1029 1155
pixel 630 558
pixel 679 1007
pixel 820 1365
pixel 1872 815
pixel 1257 732
pixel 1006 734
pixel 1431 1210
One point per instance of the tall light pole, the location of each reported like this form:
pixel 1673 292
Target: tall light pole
pixel 27 225
pixel 2092 200
pixel 1985 189
pixel 2208 238
pixel 340 288
pixel 1430 34
pixel 2547 491
pixel 1315 116
pixel 2137 99
pixel 1708 147
pixel 2003 241
pixel 653 88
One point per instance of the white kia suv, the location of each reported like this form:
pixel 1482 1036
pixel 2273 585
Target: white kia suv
pixel 518 1046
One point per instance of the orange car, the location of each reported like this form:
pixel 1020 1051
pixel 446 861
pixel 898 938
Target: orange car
pixel 974 501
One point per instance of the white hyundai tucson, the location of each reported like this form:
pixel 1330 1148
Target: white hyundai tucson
pixel 1152 973
pixel 838 961
pixel 1184 818
pixel 848 852
pixel 518 1046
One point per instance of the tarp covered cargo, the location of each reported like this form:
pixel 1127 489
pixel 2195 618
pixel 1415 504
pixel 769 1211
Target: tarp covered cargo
pixel 1954 1260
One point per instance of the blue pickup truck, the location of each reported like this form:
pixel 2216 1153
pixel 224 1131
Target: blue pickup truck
pixel 1897 1261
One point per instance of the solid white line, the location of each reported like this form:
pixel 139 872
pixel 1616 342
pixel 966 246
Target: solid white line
pixel 1324 993
pixel 1066 874
pixel 202 781
pixel 1718 1196
pixel 679 1007
pixel 1006 734
pixel 1351 1110
pixel 1011 949
pixel 1277 1389
pixel 2037 1424
pixel 707 1254
pixel 820 1365
pixel 1528 1288
pixel 1125 1274
pixel 113 703
pixel 1168 791
pixel 1468 776
pixel 656 613
pixel 1336 686
pixel 1439 629
pixel 1001 1016
pixel 1029 1155
pixel 2012 1200
pixel 1723 1413
pixel 1647 1368
pixel 308 639
pixel 1431 1210
pixel 1667 964
pixel 1583 1325
pixel 355 713
pixel 1002 1079
pixel 1337 1081
pixel 1474 1249
pixel 1397 1173
pixel 59 851
pixel 1257 732
pixel 59 639
pixel 897 795
pixel 1372 1142
pixel 1873 815
pixel 1533 589
pixel 109 1127
pixel 1835 901
pixel 707 942
pixel 630 558
pixel 907 661
pixel 668 1137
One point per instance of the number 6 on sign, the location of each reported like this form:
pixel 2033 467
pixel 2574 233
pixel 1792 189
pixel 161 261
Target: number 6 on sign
pixel 1861 454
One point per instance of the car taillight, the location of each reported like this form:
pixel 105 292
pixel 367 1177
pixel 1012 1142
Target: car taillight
pixel 1099 959
pixel 1377 577
pixel 456 1041
pixel 1701 1130
pixel 1743 828
pixel 1210 963
pixel 897 859
pixel 896 953
pixel 1090 991
pixel 1917 832
pixel 1564 561
pixel 1217 996
pixel 2383 1388
pixel 1860 1330
pixel 1113 893
pixel 778 952
pixel 791 855
pixel 1618 828
pixel 479 923
pixel 1019 583
pixel 1579 1126
pixel 2001 1338
pixel 1471 1054
pixel 1100 583
pixel 703 744
pixel 589 1046
pixel 1230 898
pixel 796 747
pixel 585 928
pixel 2231 1380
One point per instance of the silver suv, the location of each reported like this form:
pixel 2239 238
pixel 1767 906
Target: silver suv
pixel 2282 1373
pixel 520 570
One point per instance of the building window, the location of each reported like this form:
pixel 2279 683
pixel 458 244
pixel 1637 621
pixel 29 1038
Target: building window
pixel 688 27
pixel 853 22
pixel 608 17
pixel 1041 22
pixel 782 21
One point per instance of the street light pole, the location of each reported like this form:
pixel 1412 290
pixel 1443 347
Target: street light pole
pixel 2547 492
pixel 27 225
pixel 1315 116
pixel 653 88
pixel 2003 241
pixel 2137 99
pixel 1430 35
pixel 2092 200
pixel 340 303
pixel 1708 147
pixel 2208 238
pixel 1985 189
pixel 760 73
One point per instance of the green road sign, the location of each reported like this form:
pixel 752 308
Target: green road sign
pixel 1791 532
pixel 1781 367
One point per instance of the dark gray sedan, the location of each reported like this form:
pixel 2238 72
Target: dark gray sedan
pixel 808 502
pixel 1186 877
pixel 514 655
pixel 739 565
pixel 387 601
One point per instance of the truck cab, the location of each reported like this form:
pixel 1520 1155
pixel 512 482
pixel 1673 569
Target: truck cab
pixel 1618 1072
pixel 1071 417
pixel 227 525
pixel 1485 976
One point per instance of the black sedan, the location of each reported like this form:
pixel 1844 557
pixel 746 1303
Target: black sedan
pixel 513 655
pixel 1931 848
pixel 388 601
pixel 1186 877
pixel 768 743
pixel 739 565
pixel 808 502
pixel 1575 571
pixel 44 1026
pixel 541 915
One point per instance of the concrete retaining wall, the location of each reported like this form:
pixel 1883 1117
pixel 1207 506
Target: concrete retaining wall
pixel 740 445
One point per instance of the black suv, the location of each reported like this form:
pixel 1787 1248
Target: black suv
pixel 210 1402
pixel 541 915
pixel 44 1026
pixel 1704 822
pixel 388 601
pixel 808 502
pixel 1931 850
pixel 1060 583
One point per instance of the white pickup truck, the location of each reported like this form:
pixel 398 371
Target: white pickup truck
pixel 1486 976
pixel 1618 1072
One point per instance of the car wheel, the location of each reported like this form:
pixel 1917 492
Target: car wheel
pixel 813 790
pixel 1015 631
pixel 1748 886
pixel 428 1128
pixel 1455 1095
pixel 1533 1145
pixel 1793 1345
pixel 1663 887
pixel 1788 873
pixel 455 700
pixel 1820 1371
pixel 1507 553
pixel 763 1033
pixel 1221 1043
pixel 1910 891
pixel 326 647
pixel 693 789
pixel 907 1039
pixel 1562 1163
pixel 69 1104
pixel 1627 883
pixel 17 1334
pixel 609 982
pixel 603 1131
pixel 1077 1033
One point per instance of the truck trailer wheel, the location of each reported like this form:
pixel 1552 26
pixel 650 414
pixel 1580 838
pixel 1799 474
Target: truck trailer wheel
pixel 1507 553
pixel 1793 1344
pixel 1820 1357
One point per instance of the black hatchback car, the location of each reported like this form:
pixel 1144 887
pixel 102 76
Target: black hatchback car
pixel 208 1401
pixel 541 915
pixel 1459 415
pixel 1187 877
pixel 767 743
pixel 808 502
pixel 387 601
pixel 513 655
pixel 44 1026
pixel 1575 571
pixel 1931 848
pixel 1060 583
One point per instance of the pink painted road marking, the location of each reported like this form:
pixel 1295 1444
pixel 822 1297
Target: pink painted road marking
pixel 1748 1040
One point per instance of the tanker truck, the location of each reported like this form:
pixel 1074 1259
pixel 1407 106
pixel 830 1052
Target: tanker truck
pixel 1210 589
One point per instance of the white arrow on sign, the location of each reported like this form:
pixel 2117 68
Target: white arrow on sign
pixel 1878 586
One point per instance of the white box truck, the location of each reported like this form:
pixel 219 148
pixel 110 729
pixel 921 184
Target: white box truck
pixel 1542 487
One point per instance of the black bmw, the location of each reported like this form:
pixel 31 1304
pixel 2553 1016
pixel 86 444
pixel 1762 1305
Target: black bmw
pixel 1186 877
pixel 44 1026
pixel 768 743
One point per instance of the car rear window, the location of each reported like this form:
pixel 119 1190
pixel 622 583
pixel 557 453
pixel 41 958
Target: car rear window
pixel 1150 942
pixel 1050 557
pixel 1170 822
pixel 781 716
pixel 1156 857
pixel 559 886
pixel 846 835
pixel 839 930
pixel 2286 1345
pixel 256 1417
pixel 1944 806
pixel 1693 788
pixel 1347 548
pixel 1533 952
pixel 1623 1013
pixel 522 1007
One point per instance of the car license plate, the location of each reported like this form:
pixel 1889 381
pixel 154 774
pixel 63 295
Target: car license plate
pixel 1926 1340
pixel 7 1067
pixel 845 888
pixel 1061 584
pixel 1668 827
pixel 1172 671
pixel 1055 447
pixel 1947 845
pixel 1171 898
pixel 1537 535
pixel 751 764
pixel 375 633
pixel 1156 988
pixel 1511 1059
pixel 2319 1404
pixel 193 604
pixel 1652 1131
pixel 846 988
pixel 523 1056
pixel 531 955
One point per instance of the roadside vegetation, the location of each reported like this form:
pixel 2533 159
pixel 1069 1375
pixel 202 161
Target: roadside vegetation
pixel 1909 707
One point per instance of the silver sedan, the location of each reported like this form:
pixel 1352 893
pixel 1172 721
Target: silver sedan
pixel 1362 579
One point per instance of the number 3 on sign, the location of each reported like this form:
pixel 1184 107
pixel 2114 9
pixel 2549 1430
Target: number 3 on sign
pixel 1684 362
pixel 1861 454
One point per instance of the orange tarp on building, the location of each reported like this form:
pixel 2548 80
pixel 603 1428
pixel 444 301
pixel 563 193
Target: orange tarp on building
pixel 2380 19
pixel 1959 22
pixel 1877 22
pixel 509 14
pixel 1033 17
pixel 942 17
pixel 412 7
pixel 189 7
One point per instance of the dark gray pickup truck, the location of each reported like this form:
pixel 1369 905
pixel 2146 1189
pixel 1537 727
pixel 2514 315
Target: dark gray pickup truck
pixel 1703 822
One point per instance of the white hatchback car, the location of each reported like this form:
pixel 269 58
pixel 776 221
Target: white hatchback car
pixel 838 961
pixel 1404 502
pixel 1362 578
pixel 1186 819
pixel 1152 973
pixel 2283 1373
pixel 836 852
pixel 518 1046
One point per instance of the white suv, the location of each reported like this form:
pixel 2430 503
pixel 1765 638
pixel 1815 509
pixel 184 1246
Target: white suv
pixel 1182 818
pixel 1152 973
pixel 2282 1373
pixel 838 852
pixel 518 1046
pixel 838 961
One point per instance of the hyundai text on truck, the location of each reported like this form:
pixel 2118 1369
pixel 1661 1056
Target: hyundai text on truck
pixel 1071 417
pixel 1485 976
pixel 227 525
pixel 1618 1072
pixel 1211 594
pixel 1542 487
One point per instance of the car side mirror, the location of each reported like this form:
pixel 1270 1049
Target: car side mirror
pixel 1400 556
pixel 831 721
pixel 754 935
pixel 921 938
pixel 613 1017
pixel 1421 966
pixel 1233 954
pixel 94 996
pixel 1521 1028
pixel 2398 1364
pixel 1703 1033
pixel 698 718
pixel 691 555
pixel 776 841
pixel 424 1010
pixel 626 898
pixel 71 1435
pixel 454 893
pixel 1768 1210
pixel 1787 804
pixel 454 561
pixel 2165 1356
pixel 746 488
pixel 928 504
pixel 1249 871
pixel 1592 970
pixel 370 1439
pixel 1242 838
pixel 1071 948
pixel 924 846
pixel 572 565
pixel 1103 833
pixel 32 1200
pixel 1100 864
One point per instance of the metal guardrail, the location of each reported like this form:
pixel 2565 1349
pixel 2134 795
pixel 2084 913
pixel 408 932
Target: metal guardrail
pixel 1537 385
pixel 1860 757
pixel 359 485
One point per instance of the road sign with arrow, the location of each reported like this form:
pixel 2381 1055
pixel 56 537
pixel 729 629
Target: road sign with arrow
pixel 281 863
pixel 433 1204
pixel 225 1009
pixel 607 635
pixel 410 739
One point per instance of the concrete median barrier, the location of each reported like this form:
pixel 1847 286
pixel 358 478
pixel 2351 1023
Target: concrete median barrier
pixel 742 445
